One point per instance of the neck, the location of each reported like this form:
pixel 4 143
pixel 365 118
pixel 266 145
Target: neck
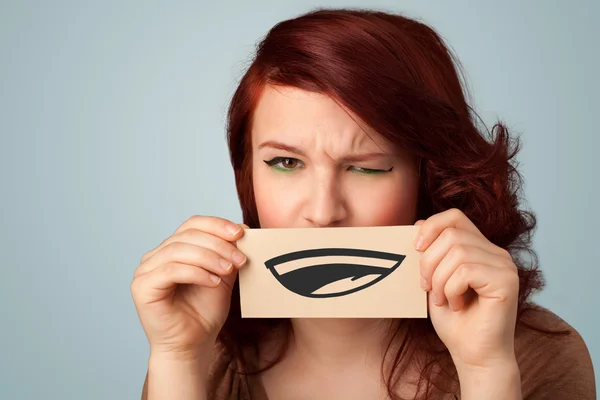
pixel 330 342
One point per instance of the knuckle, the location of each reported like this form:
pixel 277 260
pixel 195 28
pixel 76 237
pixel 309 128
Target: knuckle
pixel 193 220
pixel 222 247
pixel 455 213
pixel 437 282
pixel 202 253
pixel 460 252
pixel 174 248
pixel 135 287
pixel 450 234
pixel 169 269
pixel 145 257
pixel 425 262
pixel 137 272
pixel 510 266
pixel 509 294
pixel 450 289
pixel 187 235
pixel 506 253
pixel 449 292
pixel 464 270
pixel 513 277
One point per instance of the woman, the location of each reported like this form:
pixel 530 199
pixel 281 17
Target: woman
pixel 358 118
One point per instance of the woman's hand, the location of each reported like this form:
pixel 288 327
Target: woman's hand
pixel 182 288
pixel 473 290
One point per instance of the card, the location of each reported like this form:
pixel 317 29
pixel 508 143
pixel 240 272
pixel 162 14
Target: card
pixel 349 272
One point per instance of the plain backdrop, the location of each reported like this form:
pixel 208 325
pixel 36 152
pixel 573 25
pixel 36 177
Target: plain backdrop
pixel 112 134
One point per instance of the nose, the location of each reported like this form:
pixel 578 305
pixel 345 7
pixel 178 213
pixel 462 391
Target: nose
pixel 326 204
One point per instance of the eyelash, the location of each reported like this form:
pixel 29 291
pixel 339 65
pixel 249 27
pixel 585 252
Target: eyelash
pixel 277 160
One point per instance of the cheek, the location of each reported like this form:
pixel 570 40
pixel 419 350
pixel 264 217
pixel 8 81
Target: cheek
pixel 275 200
pixel 392 203
pixel 269 212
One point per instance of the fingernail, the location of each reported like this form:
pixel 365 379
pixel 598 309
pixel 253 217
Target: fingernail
pixel 434 298
pixel 238 258
pixel 419 243
pixel 215 279
pixel 226 265
pixel 233 229
pixel 423 283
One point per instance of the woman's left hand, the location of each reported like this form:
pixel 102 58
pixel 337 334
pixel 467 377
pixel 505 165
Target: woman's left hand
pixel 473 292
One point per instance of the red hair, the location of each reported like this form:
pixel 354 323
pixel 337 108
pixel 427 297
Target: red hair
pixel 398 76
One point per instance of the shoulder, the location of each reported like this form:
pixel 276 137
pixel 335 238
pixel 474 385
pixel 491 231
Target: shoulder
pixel 553 358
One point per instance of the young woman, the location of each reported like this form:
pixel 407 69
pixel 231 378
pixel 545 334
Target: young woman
pixel 359 118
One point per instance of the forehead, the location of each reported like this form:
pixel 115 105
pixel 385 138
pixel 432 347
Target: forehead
pixel 292 114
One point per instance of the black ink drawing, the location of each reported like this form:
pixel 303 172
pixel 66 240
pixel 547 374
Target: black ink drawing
pixel 310 279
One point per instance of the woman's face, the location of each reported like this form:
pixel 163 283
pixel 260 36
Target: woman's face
pixel 314 166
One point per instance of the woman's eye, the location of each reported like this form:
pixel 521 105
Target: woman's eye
pixel 284 163
pixel 288 164
pixel 368 171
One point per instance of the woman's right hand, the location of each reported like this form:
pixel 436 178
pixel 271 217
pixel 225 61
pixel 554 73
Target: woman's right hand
pixel 181 290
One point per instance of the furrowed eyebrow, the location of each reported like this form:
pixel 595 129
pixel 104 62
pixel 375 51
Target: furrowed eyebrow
pixel 281 146
pixel 295 150
pixel 364 157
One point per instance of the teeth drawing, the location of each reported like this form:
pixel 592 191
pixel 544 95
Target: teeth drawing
pixel 332 272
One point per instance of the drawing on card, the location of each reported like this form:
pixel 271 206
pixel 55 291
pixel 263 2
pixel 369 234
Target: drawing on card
pixel 332 272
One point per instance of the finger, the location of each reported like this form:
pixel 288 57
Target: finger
pixel 450 237
pixel 225 249
pixel 435 225
pixel 159 283
pixel 419 223
pixel 216 226
pixel 186 253
pixel 487 281
pixel 244 227
pixel 460 254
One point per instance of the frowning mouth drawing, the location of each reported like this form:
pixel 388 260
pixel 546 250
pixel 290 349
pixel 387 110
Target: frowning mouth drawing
pixel 315 273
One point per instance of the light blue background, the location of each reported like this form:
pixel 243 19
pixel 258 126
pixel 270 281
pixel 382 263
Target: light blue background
pixel 112 126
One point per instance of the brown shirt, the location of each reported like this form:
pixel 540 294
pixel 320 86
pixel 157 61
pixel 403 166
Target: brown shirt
pixel 552 367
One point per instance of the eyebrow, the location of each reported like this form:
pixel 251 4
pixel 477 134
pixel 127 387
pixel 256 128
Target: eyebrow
pixel 280 146
pixel 350 158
